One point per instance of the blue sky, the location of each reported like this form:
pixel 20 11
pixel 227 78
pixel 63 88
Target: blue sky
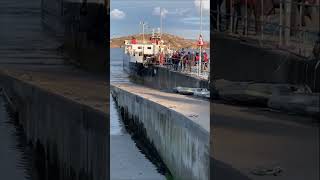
pixel 180 17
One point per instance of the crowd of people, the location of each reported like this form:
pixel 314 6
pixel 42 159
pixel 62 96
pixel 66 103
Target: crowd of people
pixel 184 60
pixel 180 60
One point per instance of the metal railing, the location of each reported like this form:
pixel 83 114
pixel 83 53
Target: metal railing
pixel 291 25
pixel 188 67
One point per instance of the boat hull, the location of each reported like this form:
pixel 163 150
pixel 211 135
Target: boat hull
pixel 132 67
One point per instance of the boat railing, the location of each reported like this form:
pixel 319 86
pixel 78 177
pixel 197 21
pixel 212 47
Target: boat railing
pixel 188 67
pixel 288 25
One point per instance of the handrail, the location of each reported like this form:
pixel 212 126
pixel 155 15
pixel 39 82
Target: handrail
pixel 280 30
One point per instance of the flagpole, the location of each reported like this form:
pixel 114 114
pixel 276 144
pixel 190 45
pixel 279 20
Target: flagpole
pixel 143 33
pixel 160 21
pixel 199 63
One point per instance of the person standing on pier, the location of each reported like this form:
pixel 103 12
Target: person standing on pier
pixel 205 59
pixel 175 60
pixel 197 58
pixel 185 61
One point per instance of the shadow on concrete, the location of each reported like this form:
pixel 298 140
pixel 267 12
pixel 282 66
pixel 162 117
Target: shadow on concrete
pixel 261 126
pixel 220 170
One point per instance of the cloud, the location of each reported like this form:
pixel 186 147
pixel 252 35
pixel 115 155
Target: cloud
pixel 181 11
pixel 205 5
pixel 156 11
pixel 117 14
pixel 194 20
pixel 190 33
pixel 165 12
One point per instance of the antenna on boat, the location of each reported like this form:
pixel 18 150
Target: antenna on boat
pixel 160 21
pixel 143 27
pixel 152 33
pixel 159 32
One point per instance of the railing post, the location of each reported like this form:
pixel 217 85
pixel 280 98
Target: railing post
pixel 246 18
pixel 262 14
pixel 218 17
pixel 231 16
pixel 315 78
pixel 300 28
pixel 281 24
pixel 288 8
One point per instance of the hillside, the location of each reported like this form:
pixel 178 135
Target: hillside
pixel 175 42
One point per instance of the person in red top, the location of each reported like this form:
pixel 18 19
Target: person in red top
pixel 197 58
pixel 161 57
pixel 205 59
pixel 133 40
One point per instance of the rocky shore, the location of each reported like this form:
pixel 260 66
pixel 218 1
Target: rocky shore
pixel 174 41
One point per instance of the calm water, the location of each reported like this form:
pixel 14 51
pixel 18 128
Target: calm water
pixel 116 75
pixel 127 161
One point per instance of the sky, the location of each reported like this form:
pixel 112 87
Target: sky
pixel 179 17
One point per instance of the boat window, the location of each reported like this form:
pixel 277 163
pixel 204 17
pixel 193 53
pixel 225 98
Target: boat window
pixel 139 47
pixel 149 47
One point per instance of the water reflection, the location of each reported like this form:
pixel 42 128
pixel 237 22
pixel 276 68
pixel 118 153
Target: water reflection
pixel 127 161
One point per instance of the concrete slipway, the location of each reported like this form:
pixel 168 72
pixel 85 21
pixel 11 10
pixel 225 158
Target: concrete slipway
pixel 177 125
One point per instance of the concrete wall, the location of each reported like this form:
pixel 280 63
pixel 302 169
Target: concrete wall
pixel 71 137
pixel 237 60
pixel 83 28
pixel 162 78
pixel 182 144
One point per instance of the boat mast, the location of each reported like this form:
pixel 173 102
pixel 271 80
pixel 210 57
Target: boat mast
pixel 143 26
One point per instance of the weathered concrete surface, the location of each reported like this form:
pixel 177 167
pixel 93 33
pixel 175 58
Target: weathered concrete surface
pixel 62 118
pixel 163 78
pixel 83 27
pixel 177 125
pixel 245 138
pixel 68 81
pixel 13 162
pixel 248 61
pixel 285 97
pixel 63 110
pixel 299 103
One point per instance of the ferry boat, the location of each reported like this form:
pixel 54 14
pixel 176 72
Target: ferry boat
pixel 139 55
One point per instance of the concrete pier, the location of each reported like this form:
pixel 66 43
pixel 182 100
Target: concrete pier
pixel 162 78
pixel 66 126
pixel 62 109
pixel 246 60
pixel 246 138
pixel 177 125
pixel 65 121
